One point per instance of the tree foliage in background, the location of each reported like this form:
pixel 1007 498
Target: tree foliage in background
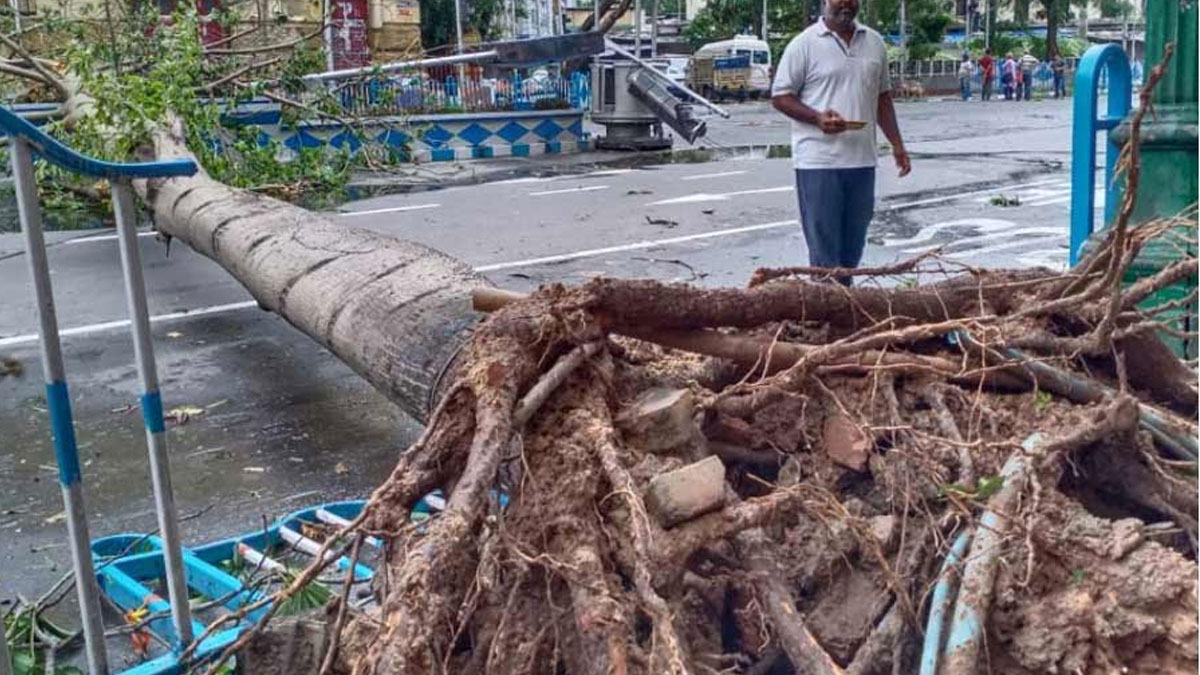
pixel 722 19
pixel 928 23
pixel 148 68
pixel 480 18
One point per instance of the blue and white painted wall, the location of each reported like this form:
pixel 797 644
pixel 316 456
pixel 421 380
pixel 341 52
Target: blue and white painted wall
pixel 424 138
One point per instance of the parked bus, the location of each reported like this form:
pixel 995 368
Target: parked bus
pixel 757 50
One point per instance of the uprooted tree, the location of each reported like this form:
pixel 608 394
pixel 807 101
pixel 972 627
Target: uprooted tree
pixel 740 480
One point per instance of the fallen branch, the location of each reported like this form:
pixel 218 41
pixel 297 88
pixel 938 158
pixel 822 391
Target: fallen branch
pixel 764 274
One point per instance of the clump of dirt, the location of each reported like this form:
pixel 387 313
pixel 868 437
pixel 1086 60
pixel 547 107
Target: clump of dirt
pixel 1101 597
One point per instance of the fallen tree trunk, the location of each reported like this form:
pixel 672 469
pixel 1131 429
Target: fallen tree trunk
pixel 396 312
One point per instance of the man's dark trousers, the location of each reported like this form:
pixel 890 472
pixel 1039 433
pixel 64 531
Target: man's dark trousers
pixel 835 209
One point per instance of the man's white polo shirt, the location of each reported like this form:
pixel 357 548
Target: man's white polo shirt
pixel 828 74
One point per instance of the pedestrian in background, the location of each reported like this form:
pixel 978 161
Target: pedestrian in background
pixel 832 81
pixel 965 71
pixel 1008 76
pixel 1029 63
pixel 987 68
pixel 1058 68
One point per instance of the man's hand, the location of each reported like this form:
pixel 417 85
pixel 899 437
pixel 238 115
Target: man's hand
pixel 831 123
pixel 902 162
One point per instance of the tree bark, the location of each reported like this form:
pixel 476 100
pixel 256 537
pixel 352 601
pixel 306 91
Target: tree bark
pixel 1052 12
pixel 396 312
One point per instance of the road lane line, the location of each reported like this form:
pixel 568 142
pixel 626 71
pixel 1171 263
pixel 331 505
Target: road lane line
pixel 720 197
pixel 929 231
pixel 1054 259
pixel 1054 200
pixel 237 306
pixel 636 246
pixel 608 172
pixel 989 237
pixel 1062 239
pixel 588 188
pixel 527 179
pixel 961 195
pixel 123 323
pixel 394 209
pixel 713 175
pixel 105 237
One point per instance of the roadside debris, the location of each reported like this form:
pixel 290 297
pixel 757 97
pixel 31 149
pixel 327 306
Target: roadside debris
pixel 183 413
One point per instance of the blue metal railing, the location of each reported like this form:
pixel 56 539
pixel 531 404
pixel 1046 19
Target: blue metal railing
pixel 415 93
pixel 26 140
pixel 1110 63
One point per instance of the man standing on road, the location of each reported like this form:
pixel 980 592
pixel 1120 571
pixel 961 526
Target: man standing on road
pixel 833 83
pixel 1058 68
pixel 987 68
pixel 1029 63
pixel 965 71
pixel 1008 77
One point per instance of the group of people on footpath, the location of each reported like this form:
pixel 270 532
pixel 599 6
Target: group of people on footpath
pixel 1016 75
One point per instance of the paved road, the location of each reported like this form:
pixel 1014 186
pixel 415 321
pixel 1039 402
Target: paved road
pixel 275 401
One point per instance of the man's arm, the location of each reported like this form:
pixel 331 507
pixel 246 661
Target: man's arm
pixel 789 104
pixel 886 116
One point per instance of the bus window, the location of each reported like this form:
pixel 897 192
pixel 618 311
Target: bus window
pixel 742 52
pixel 762 58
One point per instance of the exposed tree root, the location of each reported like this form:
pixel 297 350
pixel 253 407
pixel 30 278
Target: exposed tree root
pixel 829 536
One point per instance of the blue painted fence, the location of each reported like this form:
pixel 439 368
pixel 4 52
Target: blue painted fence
pixel 418 94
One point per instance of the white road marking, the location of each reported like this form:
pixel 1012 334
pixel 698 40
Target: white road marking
pixel 1052 200
pixel 608 172
pixel 702 176
pixel 724 196
pixel 961 195
pixel 112 325
pixel 589 188
pixel 1055 259
pixel 104 237
pixel 926 233
pixel 1056 241
pixel 394 209
pixel 237 306
pixel 705 197
pixel 588 253
pixel 518 181
pixel 992 236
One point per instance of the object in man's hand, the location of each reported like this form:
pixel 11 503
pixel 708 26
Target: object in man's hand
pixel 855 125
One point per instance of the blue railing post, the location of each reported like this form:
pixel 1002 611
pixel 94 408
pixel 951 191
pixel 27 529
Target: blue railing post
pixel 25 140
pixel 1111 62
pixel 152 409
pixel 58 402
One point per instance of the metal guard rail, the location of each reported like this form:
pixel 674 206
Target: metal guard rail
pixel 52 150
pixel 26 140
pixel 1099 59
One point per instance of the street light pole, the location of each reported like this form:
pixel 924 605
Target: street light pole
pixel 637 27
pixel 903 40
pixel 987 24
pixel 764 21
pixel 653 28
pixel 458 42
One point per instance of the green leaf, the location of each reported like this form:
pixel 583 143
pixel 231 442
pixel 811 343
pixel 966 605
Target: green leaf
pixel 1041 400
pixel 988 486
